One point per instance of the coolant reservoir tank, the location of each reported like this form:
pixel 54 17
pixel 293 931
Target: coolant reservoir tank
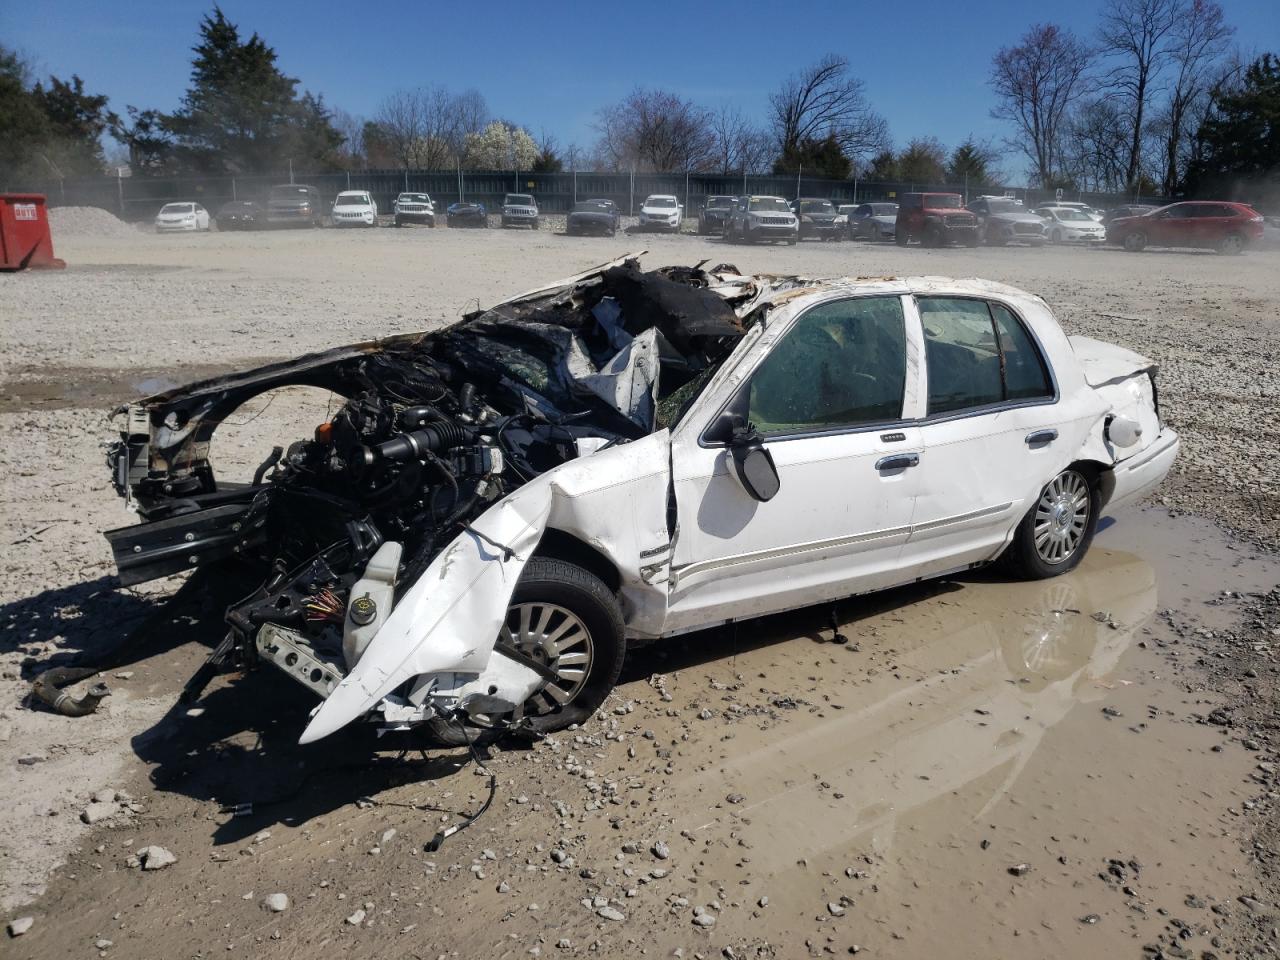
pixel 369 603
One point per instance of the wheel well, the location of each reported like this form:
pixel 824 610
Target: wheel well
pixel 558 545
pixel 1100 474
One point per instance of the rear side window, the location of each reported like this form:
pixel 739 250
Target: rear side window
pixel 978 354
pixel 843 364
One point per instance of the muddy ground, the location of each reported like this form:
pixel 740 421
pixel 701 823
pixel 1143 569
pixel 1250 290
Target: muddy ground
pixel 1111 730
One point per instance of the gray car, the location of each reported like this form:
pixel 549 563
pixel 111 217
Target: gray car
pixel 1003 220
pixel 873 221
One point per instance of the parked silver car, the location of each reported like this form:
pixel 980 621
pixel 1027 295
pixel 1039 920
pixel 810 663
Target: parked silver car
pixel 1004 220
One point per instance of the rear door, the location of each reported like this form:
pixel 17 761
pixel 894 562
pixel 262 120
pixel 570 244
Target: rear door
pixel 993 432
pixel 827 392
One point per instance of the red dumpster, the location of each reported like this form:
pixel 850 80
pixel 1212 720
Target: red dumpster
pixel 24 233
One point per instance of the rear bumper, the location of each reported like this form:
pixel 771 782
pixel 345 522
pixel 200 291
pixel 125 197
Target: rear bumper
pixel 1142 473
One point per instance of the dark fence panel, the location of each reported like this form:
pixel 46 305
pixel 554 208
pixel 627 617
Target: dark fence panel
pixel 138 198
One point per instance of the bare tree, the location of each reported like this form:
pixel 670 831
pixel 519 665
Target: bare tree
pixel 351 152
pixel 401 119
pixel 428 127
pixel 1096 146
pixel 1035 83
pixel 739 146
pixel 826 100
pixel 1197 45
pixel 1134 35
pixel 655 130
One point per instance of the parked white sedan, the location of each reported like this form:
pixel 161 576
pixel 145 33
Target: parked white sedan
pixel 182 218
pixel 354 208
pixel 1069 225
pixel 626 456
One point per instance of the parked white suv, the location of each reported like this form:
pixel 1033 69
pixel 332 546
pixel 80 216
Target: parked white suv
pixel 661 211
pixel 415 208
pixel 355 208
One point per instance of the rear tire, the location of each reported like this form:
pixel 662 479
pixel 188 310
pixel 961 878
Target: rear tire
pixel 1231 245
pixel 584 596
pixel 901 238
pixel 1056 532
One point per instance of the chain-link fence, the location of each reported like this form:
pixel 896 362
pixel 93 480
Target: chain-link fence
pixel 138 198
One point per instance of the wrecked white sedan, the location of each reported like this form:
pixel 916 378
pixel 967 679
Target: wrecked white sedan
pixel 500 508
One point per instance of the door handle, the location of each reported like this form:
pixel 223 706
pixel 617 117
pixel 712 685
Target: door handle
pixel 1037 437
pixel 899 461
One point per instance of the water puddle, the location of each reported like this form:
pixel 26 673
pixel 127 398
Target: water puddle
pixel 62 388
pixel 981 727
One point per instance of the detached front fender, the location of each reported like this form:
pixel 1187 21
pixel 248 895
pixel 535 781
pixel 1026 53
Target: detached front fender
pixel 449 619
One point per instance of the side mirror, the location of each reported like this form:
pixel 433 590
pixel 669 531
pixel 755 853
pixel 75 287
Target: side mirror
pixel 752 464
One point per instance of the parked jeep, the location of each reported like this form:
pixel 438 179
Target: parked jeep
pixel 519 210
pixel 415 208
pixel 935 219
pixel 715 214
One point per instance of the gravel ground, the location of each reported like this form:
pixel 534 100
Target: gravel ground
pixel 883 796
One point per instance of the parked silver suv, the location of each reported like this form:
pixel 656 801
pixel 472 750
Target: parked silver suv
pixel 519 210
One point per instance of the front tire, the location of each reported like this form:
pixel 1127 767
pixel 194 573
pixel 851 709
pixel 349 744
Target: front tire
pixel 1135 242
pixel 567 618
pixel 1056 532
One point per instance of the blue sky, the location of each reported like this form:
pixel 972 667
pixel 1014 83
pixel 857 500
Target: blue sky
pixel 550 66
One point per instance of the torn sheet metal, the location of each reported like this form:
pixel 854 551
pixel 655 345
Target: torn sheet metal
pixel 450 618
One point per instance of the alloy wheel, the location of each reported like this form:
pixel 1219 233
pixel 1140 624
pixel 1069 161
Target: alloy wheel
pixel 557 638
pixel 1062 517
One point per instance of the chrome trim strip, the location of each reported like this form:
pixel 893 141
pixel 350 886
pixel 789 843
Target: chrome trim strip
pixel 680 573
pixel 962 517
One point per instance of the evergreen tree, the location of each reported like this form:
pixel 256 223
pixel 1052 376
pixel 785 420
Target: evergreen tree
pixel 76 122
pixel 821 159
pixel 241 114
pixel 1239 143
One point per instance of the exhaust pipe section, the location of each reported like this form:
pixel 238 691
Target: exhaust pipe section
pixel 48 690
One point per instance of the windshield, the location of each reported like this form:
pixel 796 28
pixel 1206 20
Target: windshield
pixel 1004 206
pixel 720 203
pixel 884 209
pixel 413 198
pixel 816 206
pixel 288 193
pixel 591 206
pixel 518 200
pixel 946 201
pixel 768 204
pixel 1071 215
pixel 351 200
pixel 660 202
pixel 177 208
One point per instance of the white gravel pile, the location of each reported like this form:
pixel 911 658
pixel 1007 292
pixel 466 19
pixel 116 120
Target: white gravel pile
pixel 88 222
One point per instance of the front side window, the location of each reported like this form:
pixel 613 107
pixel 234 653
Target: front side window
pixel 843 364
pixel 978 354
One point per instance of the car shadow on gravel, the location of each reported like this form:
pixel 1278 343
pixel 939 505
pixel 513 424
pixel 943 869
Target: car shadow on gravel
pixel 237 747
pixel 90 619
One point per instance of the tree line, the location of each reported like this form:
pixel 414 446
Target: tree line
pixel 1156 101
pixel 1152 102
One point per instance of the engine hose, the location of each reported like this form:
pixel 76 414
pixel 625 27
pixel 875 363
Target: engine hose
pixel 435 436
pixel 48 689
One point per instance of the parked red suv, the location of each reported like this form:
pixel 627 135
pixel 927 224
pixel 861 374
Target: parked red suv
pixel 935 219
pixel 1217 225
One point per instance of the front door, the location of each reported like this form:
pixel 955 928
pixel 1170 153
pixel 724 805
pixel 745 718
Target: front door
pixel 827 393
